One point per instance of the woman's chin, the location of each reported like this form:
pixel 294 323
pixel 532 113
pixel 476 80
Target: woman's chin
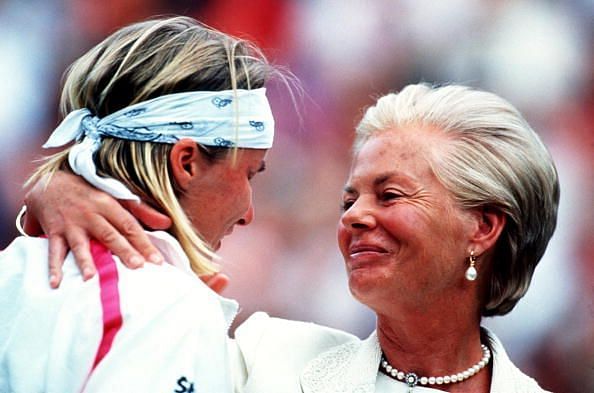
pixel 364 283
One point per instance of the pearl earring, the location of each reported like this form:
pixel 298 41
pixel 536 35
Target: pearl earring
pixel 471 273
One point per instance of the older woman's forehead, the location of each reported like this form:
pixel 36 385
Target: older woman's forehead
pixel 395 151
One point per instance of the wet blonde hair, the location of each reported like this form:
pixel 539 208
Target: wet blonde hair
pixel 143 61
pixel 493 160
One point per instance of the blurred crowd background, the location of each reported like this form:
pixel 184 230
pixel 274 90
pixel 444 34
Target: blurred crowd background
pixel 537 54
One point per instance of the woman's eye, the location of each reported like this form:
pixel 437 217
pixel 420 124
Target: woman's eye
pixel 345 205
pixel 389 195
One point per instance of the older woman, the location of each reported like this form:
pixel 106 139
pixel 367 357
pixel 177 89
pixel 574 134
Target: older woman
pixel 174 114
pixel 449 206
pixel 450 203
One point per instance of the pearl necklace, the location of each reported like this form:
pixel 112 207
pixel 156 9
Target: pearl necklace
pixel 412 379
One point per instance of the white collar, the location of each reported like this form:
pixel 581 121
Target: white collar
pixel 506 376
pixel 350 367
pixel 175 255
pixel 353 368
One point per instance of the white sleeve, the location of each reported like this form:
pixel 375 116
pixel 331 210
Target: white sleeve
pixel 171 335
pixel 273 352
pixel 46 344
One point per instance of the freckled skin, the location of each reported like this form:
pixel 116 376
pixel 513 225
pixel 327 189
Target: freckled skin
pixel 412 217
pixel 221 196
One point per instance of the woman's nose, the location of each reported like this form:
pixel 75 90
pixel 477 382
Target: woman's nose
pixel 248 217
pixel 359 215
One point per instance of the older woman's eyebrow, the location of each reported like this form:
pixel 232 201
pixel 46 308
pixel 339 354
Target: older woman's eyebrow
pixel 262 167
pixel 379 180
pixel 404 180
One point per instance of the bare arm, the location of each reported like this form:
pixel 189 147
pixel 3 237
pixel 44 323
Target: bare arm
pixel 71 212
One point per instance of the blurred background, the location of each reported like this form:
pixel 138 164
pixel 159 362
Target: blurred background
pixel 537 54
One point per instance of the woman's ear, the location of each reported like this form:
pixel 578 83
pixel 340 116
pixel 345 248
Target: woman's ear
pixel 487 229
pixel 185 160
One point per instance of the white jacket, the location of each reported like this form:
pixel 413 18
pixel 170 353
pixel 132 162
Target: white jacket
pixel 160 329
pixel 281 356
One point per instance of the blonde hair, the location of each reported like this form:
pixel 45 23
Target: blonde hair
pixel 143 61
pixel 494 160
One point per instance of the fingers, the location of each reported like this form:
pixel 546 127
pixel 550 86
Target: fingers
pixel 117 239
pixel 149 216
pixel 216 281
pixel 79 244
pixel 72 218
pixel 57 252
pixel 126 238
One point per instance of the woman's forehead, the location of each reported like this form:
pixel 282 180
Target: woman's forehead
pixel 395 154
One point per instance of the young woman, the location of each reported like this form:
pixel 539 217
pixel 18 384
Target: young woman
pixel 173 114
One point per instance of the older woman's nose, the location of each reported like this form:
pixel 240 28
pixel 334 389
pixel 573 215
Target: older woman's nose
pixel 248 217
pixel 359 216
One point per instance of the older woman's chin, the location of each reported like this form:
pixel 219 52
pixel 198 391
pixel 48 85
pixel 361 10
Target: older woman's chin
pixel 364 286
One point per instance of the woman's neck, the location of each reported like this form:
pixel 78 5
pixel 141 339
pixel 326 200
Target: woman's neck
pixel 439 346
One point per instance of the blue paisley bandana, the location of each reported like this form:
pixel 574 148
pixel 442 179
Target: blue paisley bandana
pixel 240 118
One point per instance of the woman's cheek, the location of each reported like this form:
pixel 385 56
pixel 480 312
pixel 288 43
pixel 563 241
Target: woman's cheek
pixel 344 238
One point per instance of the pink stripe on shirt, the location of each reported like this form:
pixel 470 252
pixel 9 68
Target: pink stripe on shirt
pixel 110 298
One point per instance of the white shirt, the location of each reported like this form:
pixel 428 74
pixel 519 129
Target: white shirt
pixel 49 339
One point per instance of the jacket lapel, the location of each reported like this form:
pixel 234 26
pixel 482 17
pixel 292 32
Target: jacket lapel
pixel 347 368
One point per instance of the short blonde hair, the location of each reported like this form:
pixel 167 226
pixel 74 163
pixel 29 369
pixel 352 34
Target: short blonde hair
pixel 495 160
pixel 143 61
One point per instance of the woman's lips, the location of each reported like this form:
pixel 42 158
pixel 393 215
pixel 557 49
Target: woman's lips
pixel 364 255
pixel 219 242
pixel 358 249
